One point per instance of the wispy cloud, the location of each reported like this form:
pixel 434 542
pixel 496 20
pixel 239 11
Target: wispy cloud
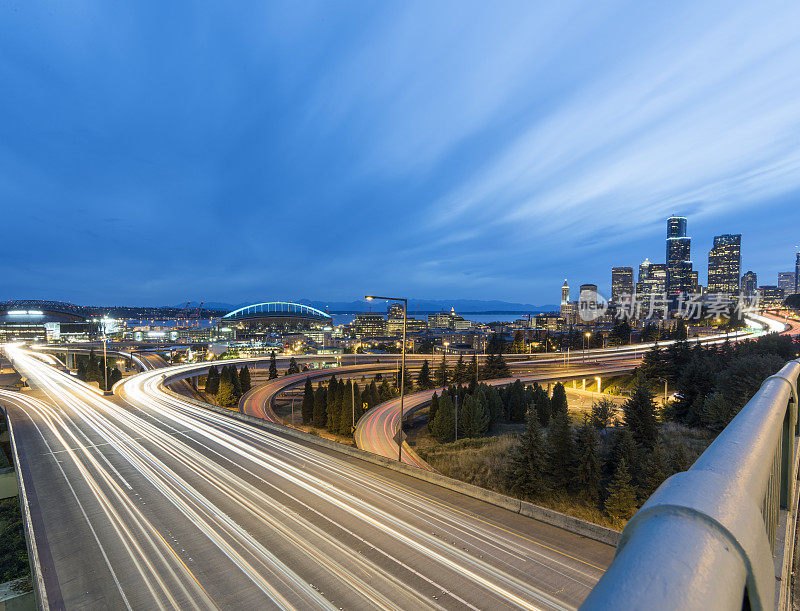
pixel 704 119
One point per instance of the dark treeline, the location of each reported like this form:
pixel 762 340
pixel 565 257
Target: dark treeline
pixel 90 369
pixel 617 469
pixel 228 385
pixel 612 470
pixel 476 409
pixel 337 404
pixel 714 382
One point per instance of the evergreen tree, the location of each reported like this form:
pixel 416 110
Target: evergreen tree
pixel 333 405
pixel 494 403
pixel 501 368
pixel 432 410
pixel 516 402
pixel 443 427
pixel 677 358
pixel 654 365
pixel 385 392
pixel 621 500
pixel 273 366
pixel 226 395
pixel 114 376
pixel 473 420
pixel 320 405
pixel 233 375
pixel 602 413
pixel 212 380
pixel 373 396
pixel 496 344
pixel 653 473
pixel 442 373
pixel 347 413
pixel 623 448
pixel 640 415
pixel 293 367
pixel 424 377
pixel 558 403
pixel 696 380
pixel 560 451
pixel 526 467
pixel 472 370
pixel 360 400
pixel 307 410
pixel 82 369
pixel 587 470
pixel 541 405
pixel 94 370
pixel 244 379
pixel 460 371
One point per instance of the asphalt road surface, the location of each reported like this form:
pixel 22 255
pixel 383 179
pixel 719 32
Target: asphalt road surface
pixel 146 501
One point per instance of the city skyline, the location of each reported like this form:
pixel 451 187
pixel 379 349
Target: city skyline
pixel 284 150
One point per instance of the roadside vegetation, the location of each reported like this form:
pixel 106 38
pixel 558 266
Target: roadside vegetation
pixel 90 369
pixel 518 441
pixel 13 551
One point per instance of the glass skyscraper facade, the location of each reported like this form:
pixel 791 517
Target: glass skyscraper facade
pixel 725 264
pixel 621 282
pixel 679 262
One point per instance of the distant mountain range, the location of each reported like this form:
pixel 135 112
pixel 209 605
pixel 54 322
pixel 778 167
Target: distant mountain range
pixel 472 306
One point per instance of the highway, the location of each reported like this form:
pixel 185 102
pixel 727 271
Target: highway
pixel 143 500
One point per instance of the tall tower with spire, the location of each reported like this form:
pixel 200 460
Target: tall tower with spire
pixel 569 309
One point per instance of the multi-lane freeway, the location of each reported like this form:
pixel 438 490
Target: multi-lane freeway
pixel 143 500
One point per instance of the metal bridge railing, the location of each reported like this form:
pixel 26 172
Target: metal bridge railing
pixel 706 539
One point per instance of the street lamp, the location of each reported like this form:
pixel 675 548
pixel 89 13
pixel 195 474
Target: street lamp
pixel 665 390
pixel 403 367
pixel 105 362
pixel 586 345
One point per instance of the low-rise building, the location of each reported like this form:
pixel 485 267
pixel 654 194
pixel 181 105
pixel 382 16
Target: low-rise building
pixel 369 325
pixel 771 296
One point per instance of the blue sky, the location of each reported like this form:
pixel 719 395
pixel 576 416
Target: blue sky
pixel 156 152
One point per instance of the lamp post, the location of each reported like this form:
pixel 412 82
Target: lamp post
pixel 586 345
pixel 665 390
pixel 403 367
pixel 105 363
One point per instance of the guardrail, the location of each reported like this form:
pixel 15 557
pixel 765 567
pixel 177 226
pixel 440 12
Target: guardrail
pixel 720 535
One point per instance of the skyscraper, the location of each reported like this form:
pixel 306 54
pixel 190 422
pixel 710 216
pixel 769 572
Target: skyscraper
pixel 725 264
pixel 621 282
pixel 749 283
pixel 797 274
pixel 679 264
pixel 786 282
pixel 564 294
pixel 658 272
pixel 676 227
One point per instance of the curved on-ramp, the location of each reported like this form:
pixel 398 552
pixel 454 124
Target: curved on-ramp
pixel 377 430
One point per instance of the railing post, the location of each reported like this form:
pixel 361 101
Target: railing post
pixel 788 434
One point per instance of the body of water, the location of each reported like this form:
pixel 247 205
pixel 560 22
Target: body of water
pixel 343 319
